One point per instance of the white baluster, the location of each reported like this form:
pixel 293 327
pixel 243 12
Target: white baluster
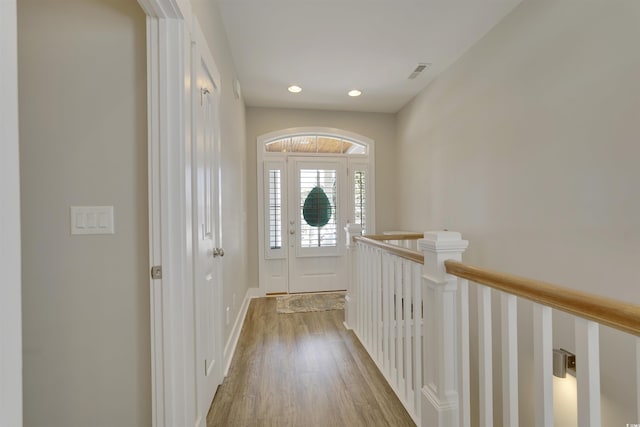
pixel 360 302
pixel 375 313
pixel 365 292
pixel 369 283
pixel 350 299
pixel 362 254
pixel 465 375
pixel 386 309
pixel 509 320
pixel 417 336
pixel 394 330
pixel 379 293
pixel 485 365
pixel 408 303
pixel 372 290
pixel 440 390
pixel 543 365
pixel 399 334
pixel 638 377
pixel 588 373
pixel 366 296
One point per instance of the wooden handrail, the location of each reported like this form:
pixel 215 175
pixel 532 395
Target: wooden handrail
pixel 395 250
pixel 622 316
pixel 618 315
pixel 403 236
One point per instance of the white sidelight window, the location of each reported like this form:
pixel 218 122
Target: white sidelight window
pixel 274 209
pixel 275 206
pixel 360 198
pixel 362 195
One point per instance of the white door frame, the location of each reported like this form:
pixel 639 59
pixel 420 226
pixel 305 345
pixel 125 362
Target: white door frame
pixel 171 31
pixel 169 138
pixel 275 158
pixel 10 257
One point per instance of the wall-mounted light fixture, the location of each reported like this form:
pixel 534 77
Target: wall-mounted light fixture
pixel 563 362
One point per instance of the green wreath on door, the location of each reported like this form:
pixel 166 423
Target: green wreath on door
pixel 317 208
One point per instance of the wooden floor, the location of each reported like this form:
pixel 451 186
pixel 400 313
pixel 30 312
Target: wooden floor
pixel 302 369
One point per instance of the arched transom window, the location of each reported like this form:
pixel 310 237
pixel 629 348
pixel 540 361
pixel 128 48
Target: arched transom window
pixel 319 144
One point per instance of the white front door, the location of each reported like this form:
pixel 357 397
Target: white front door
pixel 206 237
pixel 317 204
pixel 312 182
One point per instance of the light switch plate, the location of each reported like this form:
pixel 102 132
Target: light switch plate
pixel 92 220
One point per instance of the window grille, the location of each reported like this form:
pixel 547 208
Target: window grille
pixel 360 198
pixel 315 144
pixel 275 211
pixel 279 146
pixel 318 236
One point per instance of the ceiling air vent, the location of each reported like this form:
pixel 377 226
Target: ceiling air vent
pixel 419 69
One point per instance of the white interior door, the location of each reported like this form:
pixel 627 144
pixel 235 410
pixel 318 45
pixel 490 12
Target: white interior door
pixel 206 236
pixel 318 211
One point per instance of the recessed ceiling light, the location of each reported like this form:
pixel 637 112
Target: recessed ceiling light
pixel 354 92
pixel 294 89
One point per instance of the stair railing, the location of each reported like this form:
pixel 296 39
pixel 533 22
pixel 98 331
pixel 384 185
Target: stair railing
pixel 410 310
pixel 385 309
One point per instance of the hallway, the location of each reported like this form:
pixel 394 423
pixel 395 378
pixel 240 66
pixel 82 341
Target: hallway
pixel 302 369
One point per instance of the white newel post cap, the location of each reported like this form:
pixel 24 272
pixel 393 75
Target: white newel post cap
pixel 352 230
pixel 438 247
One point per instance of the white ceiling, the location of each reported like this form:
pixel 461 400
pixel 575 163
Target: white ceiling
pixel 331 46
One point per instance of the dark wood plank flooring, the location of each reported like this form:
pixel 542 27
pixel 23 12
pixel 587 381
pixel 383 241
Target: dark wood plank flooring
pixel 302 369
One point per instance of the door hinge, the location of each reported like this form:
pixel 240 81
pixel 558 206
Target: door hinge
pixel 205 367
pixel 156 272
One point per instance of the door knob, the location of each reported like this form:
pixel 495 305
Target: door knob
pixel 292 231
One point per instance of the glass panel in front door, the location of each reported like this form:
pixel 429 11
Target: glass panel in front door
pixel 318 208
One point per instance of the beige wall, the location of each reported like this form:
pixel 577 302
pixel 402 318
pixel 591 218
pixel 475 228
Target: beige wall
pixel 83 142
pixel 82 88
pixel 528 145
pixel 234 162
pixel 377 126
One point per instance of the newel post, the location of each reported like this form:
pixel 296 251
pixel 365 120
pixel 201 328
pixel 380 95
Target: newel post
pixel 440 403
pixel 350 300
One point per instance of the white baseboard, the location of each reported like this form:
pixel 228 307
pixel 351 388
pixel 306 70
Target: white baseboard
pixel 254 293
pixel 347 311
pixel 232 342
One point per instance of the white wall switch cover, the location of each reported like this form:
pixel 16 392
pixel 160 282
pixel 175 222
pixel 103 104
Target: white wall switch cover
pixel 92 220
